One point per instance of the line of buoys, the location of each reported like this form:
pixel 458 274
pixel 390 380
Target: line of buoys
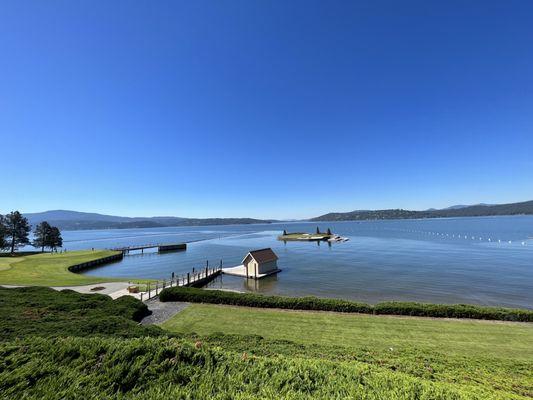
pixel 454 235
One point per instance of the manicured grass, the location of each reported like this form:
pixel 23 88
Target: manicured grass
pixel 50 269
pixel 494 358
pixel 457 337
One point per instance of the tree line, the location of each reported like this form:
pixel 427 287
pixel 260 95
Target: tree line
pixel 15 232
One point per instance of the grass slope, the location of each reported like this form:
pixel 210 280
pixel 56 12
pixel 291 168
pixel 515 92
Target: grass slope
pixel 50 269
pixel 460 337
pixel 161 368
pixel 495 357
pixel 69 345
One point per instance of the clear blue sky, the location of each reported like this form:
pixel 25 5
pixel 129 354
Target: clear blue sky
pixel 281 109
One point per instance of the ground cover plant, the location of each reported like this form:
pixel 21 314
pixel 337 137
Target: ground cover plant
pixel 322 304
pixel 51 269
pixel 162 368
pixel 40 311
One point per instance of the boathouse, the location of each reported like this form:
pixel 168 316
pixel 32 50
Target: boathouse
pixel 260 262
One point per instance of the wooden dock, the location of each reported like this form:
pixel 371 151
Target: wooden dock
pixel 240 270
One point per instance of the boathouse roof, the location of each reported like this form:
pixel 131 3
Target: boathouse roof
pixel 262 255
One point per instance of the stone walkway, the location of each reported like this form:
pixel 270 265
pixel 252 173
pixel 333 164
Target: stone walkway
pixel 162 311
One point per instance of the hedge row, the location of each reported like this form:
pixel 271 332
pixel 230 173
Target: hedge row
pixel 194 295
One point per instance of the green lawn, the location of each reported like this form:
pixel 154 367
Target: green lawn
pixel 454 337
pixel 50 269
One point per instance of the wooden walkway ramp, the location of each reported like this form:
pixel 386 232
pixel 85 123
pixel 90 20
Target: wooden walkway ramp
pixel 197 278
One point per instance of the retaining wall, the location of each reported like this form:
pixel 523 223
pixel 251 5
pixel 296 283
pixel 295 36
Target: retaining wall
pixel 89 264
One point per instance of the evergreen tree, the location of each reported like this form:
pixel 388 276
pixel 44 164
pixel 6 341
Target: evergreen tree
pixel 3 233
pixel 42 235
pixel 284 232
pixel 329 231
pixel 317 231
pixel 18 230
pixel 54 239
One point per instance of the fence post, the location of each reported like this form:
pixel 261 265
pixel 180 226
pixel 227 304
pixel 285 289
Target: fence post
pixel 188 279
pixel 141 296
pixel 148 290
pixel 156 287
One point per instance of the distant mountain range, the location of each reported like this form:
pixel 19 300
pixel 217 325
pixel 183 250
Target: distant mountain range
pixel 477 210
pixel 75 220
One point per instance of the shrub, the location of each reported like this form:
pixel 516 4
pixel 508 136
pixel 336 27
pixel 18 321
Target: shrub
pixel 194 295
pixel 254 300
pixel 43 311
pixel 453 311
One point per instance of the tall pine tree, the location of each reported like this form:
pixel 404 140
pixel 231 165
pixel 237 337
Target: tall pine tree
pixel 3 233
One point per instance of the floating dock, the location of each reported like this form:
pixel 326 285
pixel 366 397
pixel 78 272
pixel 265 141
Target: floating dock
pixel 240 270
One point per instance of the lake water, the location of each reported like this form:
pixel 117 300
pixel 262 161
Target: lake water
pixel 487 260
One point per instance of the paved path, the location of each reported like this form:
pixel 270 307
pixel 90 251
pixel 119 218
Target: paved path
pixel 162 311
pixel 112 289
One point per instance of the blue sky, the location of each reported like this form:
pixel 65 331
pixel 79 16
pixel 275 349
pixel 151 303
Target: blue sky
pixel 276 109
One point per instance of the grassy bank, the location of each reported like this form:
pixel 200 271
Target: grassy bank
pixel 70 345
pixel 459 337
pixel 494 357
pixel 50 269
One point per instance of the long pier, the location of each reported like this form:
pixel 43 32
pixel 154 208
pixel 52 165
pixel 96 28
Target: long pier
pixel 160 247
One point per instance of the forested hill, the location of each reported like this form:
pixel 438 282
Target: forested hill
pixel 75 220
pixel 467 211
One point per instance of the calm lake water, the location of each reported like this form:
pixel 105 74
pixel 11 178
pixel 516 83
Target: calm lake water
pixel 486 260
